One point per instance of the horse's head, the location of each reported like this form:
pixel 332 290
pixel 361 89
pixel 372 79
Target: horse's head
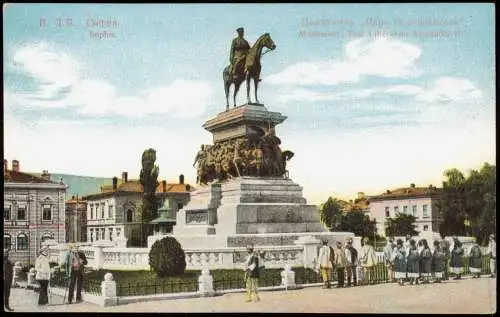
pixel 268 42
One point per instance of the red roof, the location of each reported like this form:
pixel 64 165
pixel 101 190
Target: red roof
pixel 408 192
pixel 11 176
pixel 136 186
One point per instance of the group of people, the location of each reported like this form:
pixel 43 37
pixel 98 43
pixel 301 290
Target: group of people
pixel 408 261
pixel 73 265
pixel 345 260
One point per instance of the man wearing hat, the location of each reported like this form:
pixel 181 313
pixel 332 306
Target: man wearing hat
pixel 42 267
pixel 75 263
pixel 325 260
pixel 252 275
pixel 7 279
pixel 492 251
pixel 239 49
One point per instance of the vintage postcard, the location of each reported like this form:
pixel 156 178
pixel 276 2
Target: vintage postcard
pixel 249 158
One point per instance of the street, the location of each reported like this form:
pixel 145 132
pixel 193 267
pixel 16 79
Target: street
pixel 467 296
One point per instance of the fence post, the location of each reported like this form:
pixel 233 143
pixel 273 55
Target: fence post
pixel 108 291
pixel 205 283
pixel 288 277
pixel 310 249
pixel 31 278
pixel 17 269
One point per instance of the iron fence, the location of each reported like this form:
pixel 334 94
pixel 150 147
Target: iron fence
pixel 158 286
pixel 61 279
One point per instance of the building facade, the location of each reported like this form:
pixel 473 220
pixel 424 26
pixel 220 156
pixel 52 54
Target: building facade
pixel 76 219
pixel 115 211
pixel 34 211
pixel 417 201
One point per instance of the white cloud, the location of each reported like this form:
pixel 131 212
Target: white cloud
pixel 363 57
pixel 56 71
pixel 444 89
pixel 448 89
pixel 52 70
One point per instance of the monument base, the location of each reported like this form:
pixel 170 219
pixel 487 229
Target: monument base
pixel 263 211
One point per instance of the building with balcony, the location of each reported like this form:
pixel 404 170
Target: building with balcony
pixel 115 211
pixel 417 201
pixel 34 211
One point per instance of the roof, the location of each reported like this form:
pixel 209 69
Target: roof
pixel 11 176
pixel 135 186
pixel 408 192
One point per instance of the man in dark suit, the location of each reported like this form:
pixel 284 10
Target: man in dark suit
pixel 75 264
pixel 8 268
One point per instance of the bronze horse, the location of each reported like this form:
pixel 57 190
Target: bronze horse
pixel 250 70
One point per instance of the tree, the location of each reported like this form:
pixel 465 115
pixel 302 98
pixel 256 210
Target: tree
pixel 472 198
pixel 359 223
pixel 331 214
pixel 401 225
pixel 149 181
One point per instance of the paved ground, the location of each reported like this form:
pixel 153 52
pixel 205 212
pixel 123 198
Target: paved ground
pixel 467 296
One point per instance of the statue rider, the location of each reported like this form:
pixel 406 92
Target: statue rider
pixel 239 49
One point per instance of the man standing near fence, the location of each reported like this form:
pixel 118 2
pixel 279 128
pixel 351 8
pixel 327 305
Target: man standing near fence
pixel 492 251
pixel 325 263
pixel 352 262
pixel 75 264
pixel 252 275
pixel 388 250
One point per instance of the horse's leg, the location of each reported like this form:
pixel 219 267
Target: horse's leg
pixel 256 85
pixel 247 78
pixel 227 83
pixel 237 85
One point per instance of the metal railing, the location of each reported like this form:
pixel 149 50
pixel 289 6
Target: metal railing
pixel 156 287
pixel 61 279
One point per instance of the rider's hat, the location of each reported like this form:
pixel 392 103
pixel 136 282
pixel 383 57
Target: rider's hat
pixel 240 30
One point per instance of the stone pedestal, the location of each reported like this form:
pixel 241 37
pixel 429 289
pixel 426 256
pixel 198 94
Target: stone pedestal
pixel 108 291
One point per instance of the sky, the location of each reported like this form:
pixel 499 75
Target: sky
pixel 377 96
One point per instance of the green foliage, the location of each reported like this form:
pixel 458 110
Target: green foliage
pixel 471 199
pixel 167 258
pixel 331 214
pixel 149 180
pixel 401 225
pixel 359 223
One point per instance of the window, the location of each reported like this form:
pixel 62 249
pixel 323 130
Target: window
pixel 6 213
pixel 118 230
pixel 425 213
pixel 21 213
pixel 91 212
pixel 130 215
pixel 414 210
pixel 102 234
pixel 102 211
pixel 22 242
pixel 396 210
pixel 179 206
pixel 7 241
pixel 405 209
pixel 45 236
pixel 91 235
pixel 426 228
pixel 387 212
pixel 96 234
pixel 110 234
pixel 47 212
pixel 110 212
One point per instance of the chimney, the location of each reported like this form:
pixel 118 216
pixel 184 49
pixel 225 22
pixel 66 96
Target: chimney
pixel 164 185
pixel 412 185
pixel 5 165
pixel 124 177
pixel 115 183
pixel 15 165
pixel 46 175
pixel 181 179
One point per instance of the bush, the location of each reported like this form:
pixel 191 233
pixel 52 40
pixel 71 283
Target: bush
pixel 167 258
